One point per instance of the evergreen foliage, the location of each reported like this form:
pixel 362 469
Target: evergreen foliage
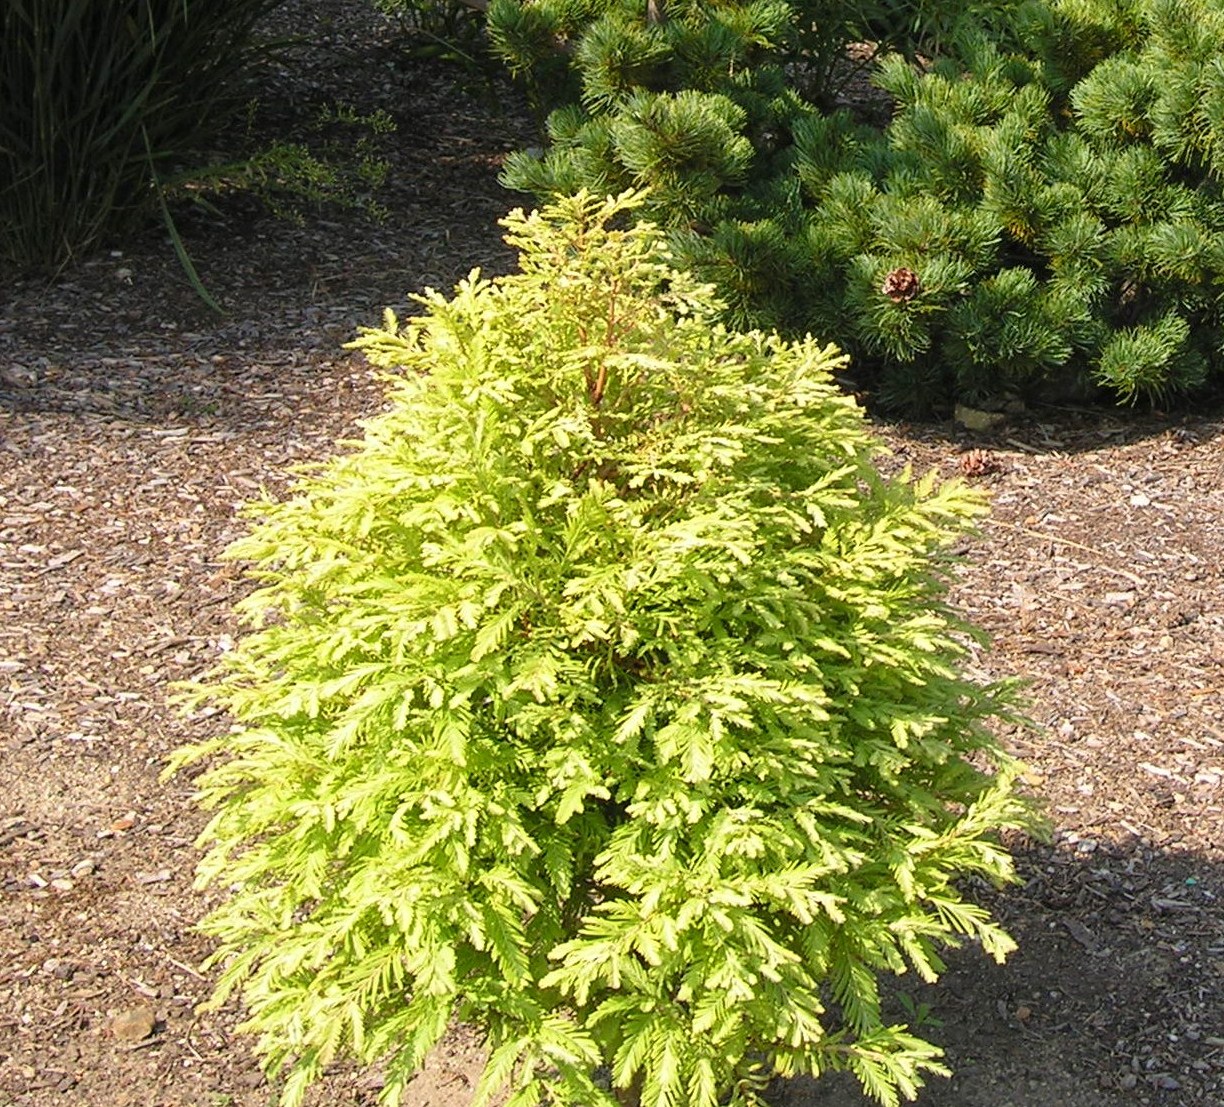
pixel 1054 185
pixel 604 697
pixel 1067 228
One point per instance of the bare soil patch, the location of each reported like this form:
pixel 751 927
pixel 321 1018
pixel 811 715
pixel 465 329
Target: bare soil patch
pixel 132 426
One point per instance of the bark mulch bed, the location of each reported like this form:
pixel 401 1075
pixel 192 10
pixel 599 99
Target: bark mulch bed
pixel 132 426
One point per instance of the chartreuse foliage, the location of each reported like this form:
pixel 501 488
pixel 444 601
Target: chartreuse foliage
pixel 603 698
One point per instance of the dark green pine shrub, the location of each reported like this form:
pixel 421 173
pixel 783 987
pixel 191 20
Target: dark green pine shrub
pixel 603 698
pixel 690 99
pixel 1042 216
pixel 698 102
pixel 1062 213
pixel 693 101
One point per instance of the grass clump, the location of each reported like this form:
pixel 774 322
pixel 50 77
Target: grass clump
pixel 102 100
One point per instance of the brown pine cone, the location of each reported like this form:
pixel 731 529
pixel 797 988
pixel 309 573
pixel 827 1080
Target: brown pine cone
pixel 901 285
pixel 977 463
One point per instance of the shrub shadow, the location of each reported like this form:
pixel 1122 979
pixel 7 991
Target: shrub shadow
pixel 1115 996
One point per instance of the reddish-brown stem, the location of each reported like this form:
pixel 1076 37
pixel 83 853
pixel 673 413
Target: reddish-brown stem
pixel 597 391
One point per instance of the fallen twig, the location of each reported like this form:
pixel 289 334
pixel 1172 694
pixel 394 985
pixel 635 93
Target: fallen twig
pixel 1136 580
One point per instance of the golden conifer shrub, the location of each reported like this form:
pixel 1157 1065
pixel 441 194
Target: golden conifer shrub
pixel 604 698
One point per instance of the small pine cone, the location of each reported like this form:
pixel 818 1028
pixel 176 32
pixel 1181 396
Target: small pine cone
pixel 901 285
pixel 977 463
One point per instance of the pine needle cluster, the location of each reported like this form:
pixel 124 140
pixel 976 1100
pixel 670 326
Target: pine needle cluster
pixel 603 697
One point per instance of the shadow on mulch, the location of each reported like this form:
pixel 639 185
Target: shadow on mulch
pixel 1068 429
pixel 1112 998
pixel 124 336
